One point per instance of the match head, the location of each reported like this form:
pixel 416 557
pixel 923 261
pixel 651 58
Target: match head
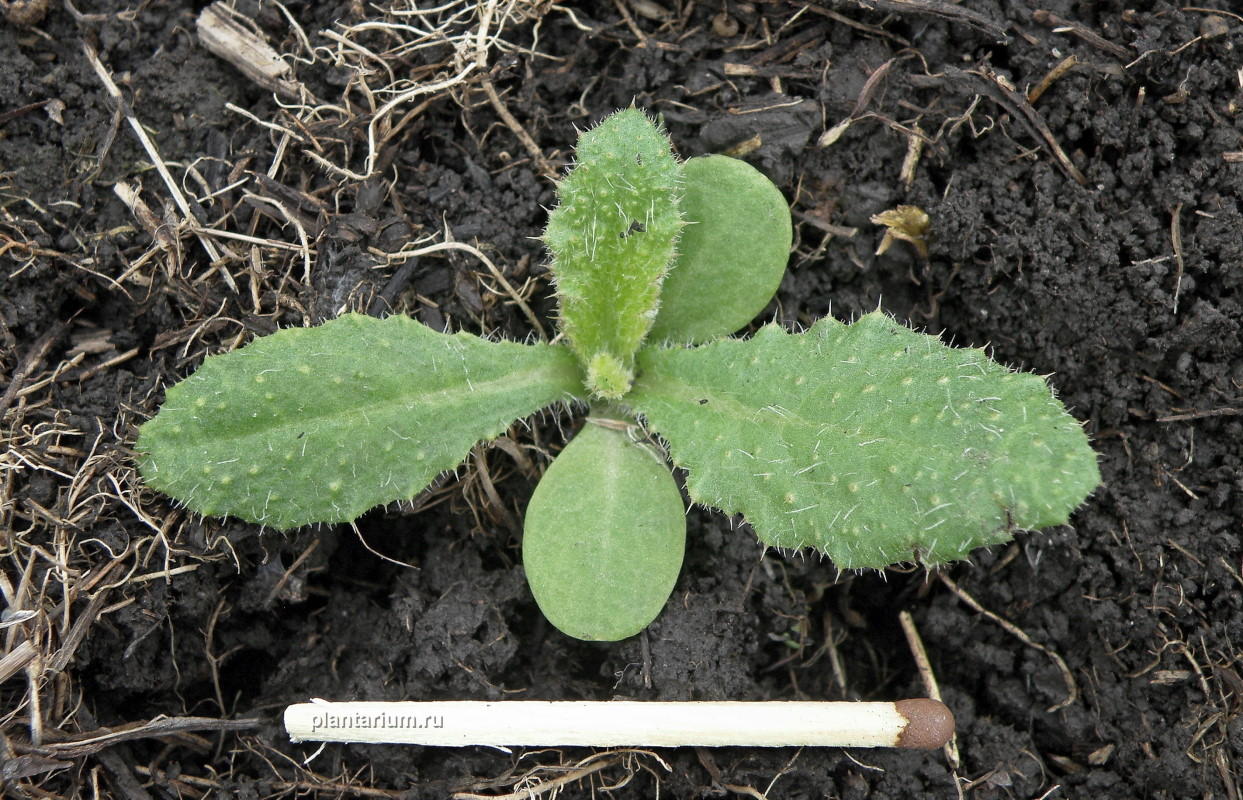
pixel 929 723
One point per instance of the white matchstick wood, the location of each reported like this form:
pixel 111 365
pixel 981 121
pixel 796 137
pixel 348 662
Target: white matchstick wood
pixel 919 723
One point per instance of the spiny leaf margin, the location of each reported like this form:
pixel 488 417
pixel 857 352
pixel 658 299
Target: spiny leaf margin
pixel 870 442
pixel 321 424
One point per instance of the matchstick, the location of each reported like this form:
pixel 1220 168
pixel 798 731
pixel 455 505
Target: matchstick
pixel 919 723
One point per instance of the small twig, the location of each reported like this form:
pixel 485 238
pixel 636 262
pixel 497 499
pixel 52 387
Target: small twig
pixel 89 742
pixel 1190 415
pixel 1017 104
pixel 843 231
pixel 914 148
pixel 117 762
pixel 221 33
pixel 530 792
pixel 402 255
pixel 156 161
pixel 870 86
pixel 385 301
pixel 714 772
pixel 17 659
pixel 644 41
pixel 871 30
pixel 34 357
pixel 1072 688
pixel 512 123
pixel 932 8
pixel 1176 238
pixel 14 113
pixel 280 584
pixel 77 633
pixel 162 575
pixel 1060 69
pixel 927 677
pixel 242 237
pixel 131 196
pixel 87 374
pixel 1059 25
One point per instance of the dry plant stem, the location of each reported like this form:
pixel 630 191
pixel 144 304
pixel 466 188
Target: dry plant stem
pixel 29 364
pixel 93 741
pixel 919 723
pixel 380 117
pixel 936 9
pixel 528 792
pixel 154 155
pixel 402 255
pixel 914 148
pixel 512 123
pixel 1176 239
pixel 481 62
pixel 222 34
pixel 17 659
pixel 1062 67
pixel 1072 688
pixel 1017 104
pixel 927 676
pixel 870 87
pixel 1059 25
pixel 129 194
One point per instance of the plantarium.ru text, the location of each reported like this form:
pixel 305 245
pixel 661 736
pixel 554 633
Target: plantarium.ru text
pixel 871 442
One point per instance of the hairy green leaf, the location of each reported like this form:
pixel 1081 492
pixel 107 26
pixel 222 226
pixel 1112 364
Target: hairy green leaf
pixel 320 424
pixel 612 240
pixel 871 442
pixel 604 536
pixel 732 253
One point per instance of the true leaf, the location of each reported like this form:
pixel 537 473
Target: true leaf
pixel 320 424
pixel 732 253
pixel 604 536
pixel 871 442
pixel 612 240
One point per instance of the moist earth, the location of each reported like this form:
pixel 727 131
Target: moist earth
pixel 1081 164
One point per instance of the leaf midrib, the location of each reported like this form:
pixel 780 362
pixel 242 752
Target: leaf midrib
pixel 688 392
pixel 554 374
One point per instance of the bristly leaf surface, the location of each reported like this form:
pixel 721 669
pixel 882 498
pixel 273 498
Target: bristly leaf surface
pixel 321 424
pixel 612 239
pixel 871 442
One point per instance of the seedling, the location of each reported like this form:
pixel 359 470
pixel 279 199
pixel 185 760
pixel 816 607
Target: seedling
pixel 870 442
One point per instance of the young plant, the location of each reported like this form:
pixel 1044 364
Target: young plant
pixel 870 442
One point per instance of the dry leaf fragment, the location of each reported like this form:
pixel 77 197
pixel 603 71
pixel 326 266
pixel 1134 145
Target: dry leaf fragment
pixel 24 13
pixel 908 223
pixel 228 39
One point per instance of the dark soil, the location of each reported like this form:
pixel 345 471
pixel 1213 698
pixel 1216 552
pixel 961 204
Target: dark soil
pixel 1126 288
